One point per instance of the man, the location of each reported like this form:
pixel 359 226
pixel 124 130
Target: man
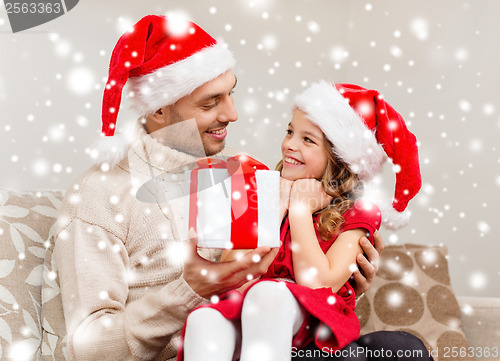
pixel 127 284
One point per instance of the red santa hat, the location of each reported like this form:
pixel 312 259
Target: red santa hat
pixel 364 130
pixel 163 59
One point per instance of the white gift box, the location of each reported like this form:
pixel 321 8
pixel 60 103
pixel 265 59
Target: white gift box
pixel 233 204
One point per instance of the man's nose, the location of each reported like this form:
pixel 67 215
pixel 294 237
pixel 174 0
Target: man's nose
pixel 228 111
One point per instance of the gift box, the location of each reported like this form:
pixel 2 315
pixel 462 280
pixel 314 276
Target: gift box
pixel 233 203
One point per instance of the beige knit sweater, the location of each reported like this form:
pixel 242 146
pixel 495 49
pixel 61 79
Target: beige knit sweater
pixel 120 271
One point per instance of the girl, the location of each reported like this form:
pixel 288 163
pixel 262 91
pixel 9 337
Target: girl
pixel 338 137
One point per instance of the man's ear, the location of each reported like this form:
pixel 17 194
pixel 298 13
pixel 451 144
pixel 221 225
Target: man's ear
pixel 160 116
pixel 158 119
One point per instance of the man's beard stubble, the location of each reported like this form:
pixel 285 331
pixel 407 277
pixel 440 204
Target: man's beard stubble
pixel 184 136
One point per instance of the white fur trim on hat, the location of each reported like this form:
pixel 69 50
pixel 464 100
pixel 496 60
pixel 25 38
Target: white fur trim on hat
pixel 110 150
pixel 391 218
pixel 168 84
pixel 353 141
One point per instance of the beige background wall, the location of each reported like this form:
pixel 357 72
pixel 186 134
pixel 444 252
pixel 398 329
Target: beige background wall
pixel 435 61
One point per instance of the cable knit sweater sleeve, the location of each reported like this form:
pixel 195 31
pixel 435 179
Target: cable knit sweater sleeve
pixel 101 325
pixel 123 298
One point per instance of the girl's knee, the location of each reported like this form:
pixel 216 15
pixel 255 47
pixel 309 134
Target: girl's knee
pixel 267 291
pixel 209 336
pixel 269 295
pixel 203 316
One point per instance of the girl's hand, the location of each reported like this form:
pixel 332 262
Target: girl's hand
pixel 285 188
pixel 307 195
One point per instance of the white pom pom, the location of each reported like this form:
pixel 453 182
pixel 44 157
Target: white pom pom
pixel 391 218
pixel 110 150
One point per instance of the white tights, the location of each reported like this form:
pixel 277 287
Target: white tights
pixel 270 317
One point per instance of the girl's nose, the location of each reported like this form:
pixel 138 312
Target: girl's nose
pixel 289 143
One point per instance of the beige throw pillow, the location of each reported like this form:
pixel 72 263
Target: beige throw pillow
pixel 411 292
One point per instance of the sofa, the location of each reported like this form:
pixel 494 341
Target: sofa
pixel 411 292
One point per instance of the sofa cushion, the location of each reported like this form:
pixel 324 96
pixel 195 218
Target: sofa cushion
pixel 481 319
pixel 53 326
pixel 411 292
pixel 26 220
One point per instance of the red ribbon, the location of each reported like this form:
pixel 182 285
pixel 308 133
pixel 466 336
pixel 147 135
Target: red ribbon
pixel 244 215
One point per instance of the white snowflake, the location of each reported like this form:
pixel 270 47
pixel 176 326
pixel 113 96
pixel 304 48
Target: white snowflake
pixel 478 280
pixel 80 80
pixel 483 227
pixel 313 27
pixel 269 42
pixel 464 105
pixel 461 54
pixel 395 299
pixel 124 24
pixel 420 28
pixel 338 54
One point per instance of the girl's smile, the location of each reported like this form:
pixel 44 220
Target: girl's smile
pixel 291 161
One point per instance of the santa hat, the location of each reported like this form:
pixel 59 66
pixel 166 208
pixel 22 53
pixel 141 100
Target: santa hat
pixel 163 59
pixel 364 130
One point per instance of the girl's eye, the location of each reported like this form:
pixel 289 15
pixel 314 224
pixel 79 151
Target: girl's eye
pixel 308 140
pixel 289 132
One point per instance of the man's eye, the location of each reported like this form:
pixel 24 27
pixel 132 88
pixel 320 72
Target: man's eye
pixel 209 106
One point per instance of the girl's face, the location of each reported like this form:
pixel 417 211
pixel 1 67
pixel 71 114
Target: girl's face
pixel 303 149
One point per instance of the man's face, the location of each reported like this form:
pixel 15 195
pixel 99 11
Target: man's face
pixel 212 107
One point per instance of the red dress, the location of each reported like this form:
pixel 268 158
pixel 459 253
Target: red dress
pixel 330 321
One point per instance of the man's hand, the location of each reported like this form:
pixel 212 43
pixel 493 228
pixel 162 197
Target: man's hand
pixel 208 278
pixel 369 263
